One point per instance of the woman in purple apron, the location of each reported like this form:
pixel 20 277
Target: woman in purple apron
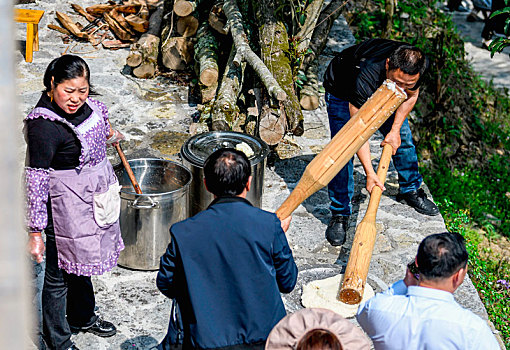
pixel 73 195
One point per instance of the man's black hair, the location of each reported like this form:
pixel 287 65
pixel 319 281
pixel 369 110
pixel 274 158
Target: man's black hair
pixel 66 67
pixel 441 255
pixel 226 172
pixel 409 59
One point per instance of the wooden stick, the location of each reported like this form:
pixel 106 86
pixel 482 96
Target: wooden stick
pixel 132 177
pixel 353 285
pixel 345 144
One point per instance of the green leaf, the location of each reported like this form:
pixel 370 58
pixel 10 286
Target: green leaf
pixel 302 19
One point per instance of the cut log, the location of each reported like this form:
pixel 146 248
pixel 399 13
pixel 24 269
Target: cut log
pixel 121 20
pixel 187 26
pixel 208 93
pixel 206 55
pixel 184 8
pixel 68 24
pixel 144 10
pixel 217 19
pixel 274 46
pixel 378 108
pixel 116 28
pixel 272 125
pixel 149 45
pixel 309 93
pixel 82 12
pixel 235 24
pixel 225 109
pixel 59 29
pixel 177 53
pixel 98 10
pixel 139 24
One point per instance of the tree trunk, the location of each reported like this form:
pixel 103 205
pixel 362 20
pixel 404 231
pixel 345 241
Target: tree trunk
pixel 148 45
pixel 309 93
pixel 187 26
pixel 320 33
pixel 389 10
pixel 274 46
pixel 225 107
pixel 305 32
pixel 176 52
pixel 206 54
pixel 235 24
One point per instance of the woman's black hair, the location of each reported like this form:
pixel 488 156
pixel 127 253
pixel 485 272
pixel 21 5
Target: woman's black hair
pixel 66 67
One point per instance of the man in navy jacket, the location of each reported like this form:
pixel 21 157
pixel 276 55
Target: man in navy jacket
pixel 226 266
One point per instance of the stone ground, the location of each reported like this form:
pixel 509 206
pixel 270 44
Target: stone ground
pixel 155 116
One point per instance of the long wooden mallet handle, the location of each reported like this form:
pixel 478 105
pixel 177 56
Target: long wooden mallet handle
pixel 344 145
pixel 353 285
pixel 129 171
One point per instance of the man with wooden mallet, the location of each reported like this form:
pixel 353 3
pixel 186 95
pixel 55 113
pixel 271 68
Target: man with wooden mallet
pixel 350 79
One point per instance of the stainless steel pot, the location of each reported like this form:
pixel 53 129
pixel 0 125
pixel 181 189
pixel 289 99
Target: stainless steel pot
pixel 195 151
pixel 145 219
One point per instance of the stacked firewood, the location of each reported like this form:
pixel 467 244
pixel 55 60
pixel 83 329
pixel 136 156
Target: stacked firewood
pixel 255 60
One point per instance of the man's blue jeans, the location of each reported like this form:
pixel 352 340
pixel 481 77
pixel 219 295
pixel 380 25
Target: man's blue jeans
pixel 341 188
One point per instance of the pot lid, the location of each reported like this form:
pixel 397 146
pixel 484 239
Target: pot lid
pixel 196 149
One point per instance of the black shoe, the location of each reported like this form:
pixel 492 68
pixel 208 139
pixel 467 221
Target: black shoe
pixel 418 200
pixel 337 229
pixel 100 328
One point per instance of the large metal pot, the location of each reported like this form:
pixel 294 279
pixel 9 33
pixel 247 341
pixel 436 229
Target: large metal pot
pixel 145 219
pixel 195 151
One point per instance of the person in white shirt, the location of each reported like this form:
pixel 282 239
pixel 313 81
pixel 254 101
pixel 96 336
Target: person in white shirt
pixel 420 312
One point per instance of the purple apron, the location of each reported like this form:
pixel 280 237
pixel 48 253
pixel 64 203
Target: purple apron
pixel 85 202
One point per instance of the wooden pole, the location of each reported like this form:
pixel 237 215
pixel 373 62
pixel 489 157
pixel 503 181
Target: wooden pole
pixel 351 290
pixel 131 176
pixel 378 108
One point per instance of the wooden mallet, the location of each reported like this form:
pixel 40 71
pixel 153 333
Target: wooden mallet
pixel 378 108
pixel 353 285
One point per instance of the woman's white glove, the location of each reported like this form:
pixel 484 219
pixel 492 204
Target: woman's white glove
pixel 115 138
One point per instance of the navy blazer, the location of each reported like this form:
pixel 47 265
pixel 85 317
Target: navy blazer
pixel 226 267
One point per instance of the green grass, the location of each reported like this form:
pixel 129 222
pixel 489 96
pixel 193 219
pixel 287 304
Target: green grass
pixel 490 276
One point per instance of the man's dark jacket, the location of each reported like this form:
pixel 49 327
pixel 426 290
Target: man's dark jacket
pixel 226 267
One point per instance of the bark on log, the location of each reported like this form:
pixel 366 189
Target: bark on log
pixel 98 10
pixel 217 19
pixel 187 26
pixel 139 24
pixel 389 10
pixel 144 10
pixel 225 109
pixel 184 8
pixel 116 28
pixel 68 24
pixel 274 46
pixel 59 29
pixel 235 25
pixel 148 45
pixel 176 52
pixel 309 93
pixel 206 54
pixel 320 33
pixel 82 12
pixel 312 12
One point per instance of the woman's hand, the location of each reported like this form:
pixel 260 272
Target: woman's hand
pixel 114 137
pixel 36 246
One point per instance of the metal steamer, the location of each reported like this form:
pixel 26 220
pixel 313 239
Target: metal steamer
pixel 145 219
pixel 195 151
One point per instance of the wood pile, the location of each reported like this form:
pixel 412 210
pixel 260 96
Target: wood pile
pixel 255 60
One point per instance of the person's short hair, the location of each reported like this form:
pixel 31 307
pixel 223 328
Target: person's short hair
pixel 409 59
pixel 441 255
pixel 63 68
pixel 226 172
pixel 319 339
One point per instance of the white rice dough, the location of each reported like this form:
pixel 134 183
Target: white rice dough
pixel 323 293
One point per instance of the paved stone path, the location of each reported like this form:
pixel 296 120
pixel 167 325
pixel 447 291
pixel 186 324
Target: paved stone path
pixel 148 111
